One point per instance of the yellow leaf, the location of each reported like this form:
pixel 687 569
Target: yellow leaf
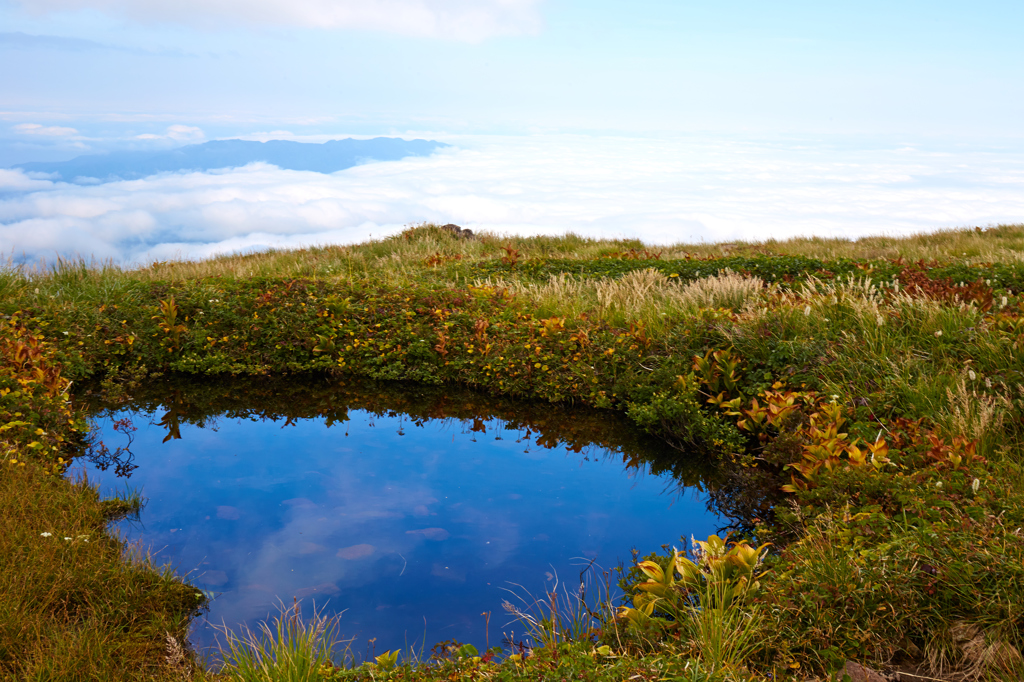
pixel 652 570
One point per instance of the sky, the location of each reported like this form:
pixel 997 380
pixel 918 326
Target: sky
pixel 692 121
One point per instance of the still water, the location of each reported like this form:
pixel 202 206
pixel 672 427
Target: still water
pixel 410 511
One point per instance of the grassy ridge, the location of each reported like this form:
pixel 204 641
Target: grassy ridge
pixel 879 382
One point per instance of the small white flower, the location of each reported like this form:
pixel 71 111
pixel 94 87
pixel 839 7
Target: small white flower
pixel 938 484
pixel 971 374
pixel 975 484
pixel 47 535
pixel 66 537
pixel 1002 302
pixel 938 333
pixel 64 333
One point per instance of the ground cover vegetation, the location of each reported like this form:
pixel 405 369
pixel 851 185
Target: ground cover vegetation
pixel 863 401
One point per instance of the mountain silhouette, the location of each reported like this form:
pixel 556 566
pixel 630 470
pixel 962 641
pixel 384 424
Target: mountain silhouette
pixel 328 157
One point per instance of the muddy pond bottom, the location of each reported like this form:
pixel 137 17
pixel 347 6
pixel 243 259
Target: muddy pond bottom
pixel 410 524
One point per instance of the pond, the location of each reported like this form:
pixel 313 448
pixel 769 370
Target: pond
pixel 411 511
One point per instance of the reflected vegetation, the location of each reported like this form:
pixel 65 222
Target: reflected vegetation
pixel 407 507
pixel 186 400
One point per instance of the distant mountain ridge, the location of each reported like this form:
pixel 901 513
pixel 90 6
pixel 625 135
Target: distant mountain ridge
pixel 327 157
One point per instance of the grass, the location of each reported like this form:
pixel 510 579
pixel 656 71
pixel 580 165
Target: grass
pixel 288 649
pixel 864 399
pixel 397 260
pixel 564 614
pixel 644 297
pixel 71 594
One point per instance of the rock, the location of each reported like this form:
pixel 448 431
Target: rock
pixel 860 673
pixel 458 231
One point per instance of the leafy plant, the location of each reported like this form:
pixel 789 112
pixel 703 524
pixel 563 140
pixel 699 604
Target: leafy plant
pixel 704 602
pixel 167 321
pixel 511 257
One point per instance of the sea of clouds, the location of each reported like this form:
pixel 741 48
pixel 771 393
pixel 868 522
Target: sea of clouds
pixel 686 189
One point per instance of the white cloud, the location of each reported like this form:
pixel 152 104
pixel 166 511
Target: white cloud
pixel 44 131
pixel 18 181
pixel 662 191
pixel 469 20
pixel 184 133
pixel 179 133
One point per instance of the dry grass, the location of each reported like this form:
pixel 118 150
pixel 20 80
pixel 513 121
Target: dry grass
pixel 1003 243
pixel 966 653
pixel 985 655
pixel 978 414
pixel 646 296
pixel 727 290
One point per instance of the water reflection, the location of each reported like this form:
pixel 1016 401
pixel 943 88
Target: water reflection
pixel 407 508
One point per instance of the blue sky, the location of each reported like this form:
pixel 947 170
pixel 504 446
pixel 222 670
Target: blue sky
pixel 84 76
pixel 515 66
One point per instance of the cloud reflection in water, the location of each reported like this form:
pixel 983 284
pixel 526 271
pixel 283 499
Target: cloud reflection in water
pixel 389 529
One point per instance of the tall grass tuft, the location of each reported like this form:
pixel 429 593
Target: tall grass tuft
pixel 565 614
pixel 979 415
pixel 726 290
pixel 723 635
pixel 288 649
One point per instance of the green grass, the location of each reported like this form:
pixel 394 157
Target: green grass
pixel 289 649
pixel 786 363
pixel 75 607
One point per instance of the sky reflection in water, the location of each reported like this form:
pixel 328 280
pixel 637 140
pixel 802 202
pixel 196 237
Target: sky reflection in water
pixel 388 519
